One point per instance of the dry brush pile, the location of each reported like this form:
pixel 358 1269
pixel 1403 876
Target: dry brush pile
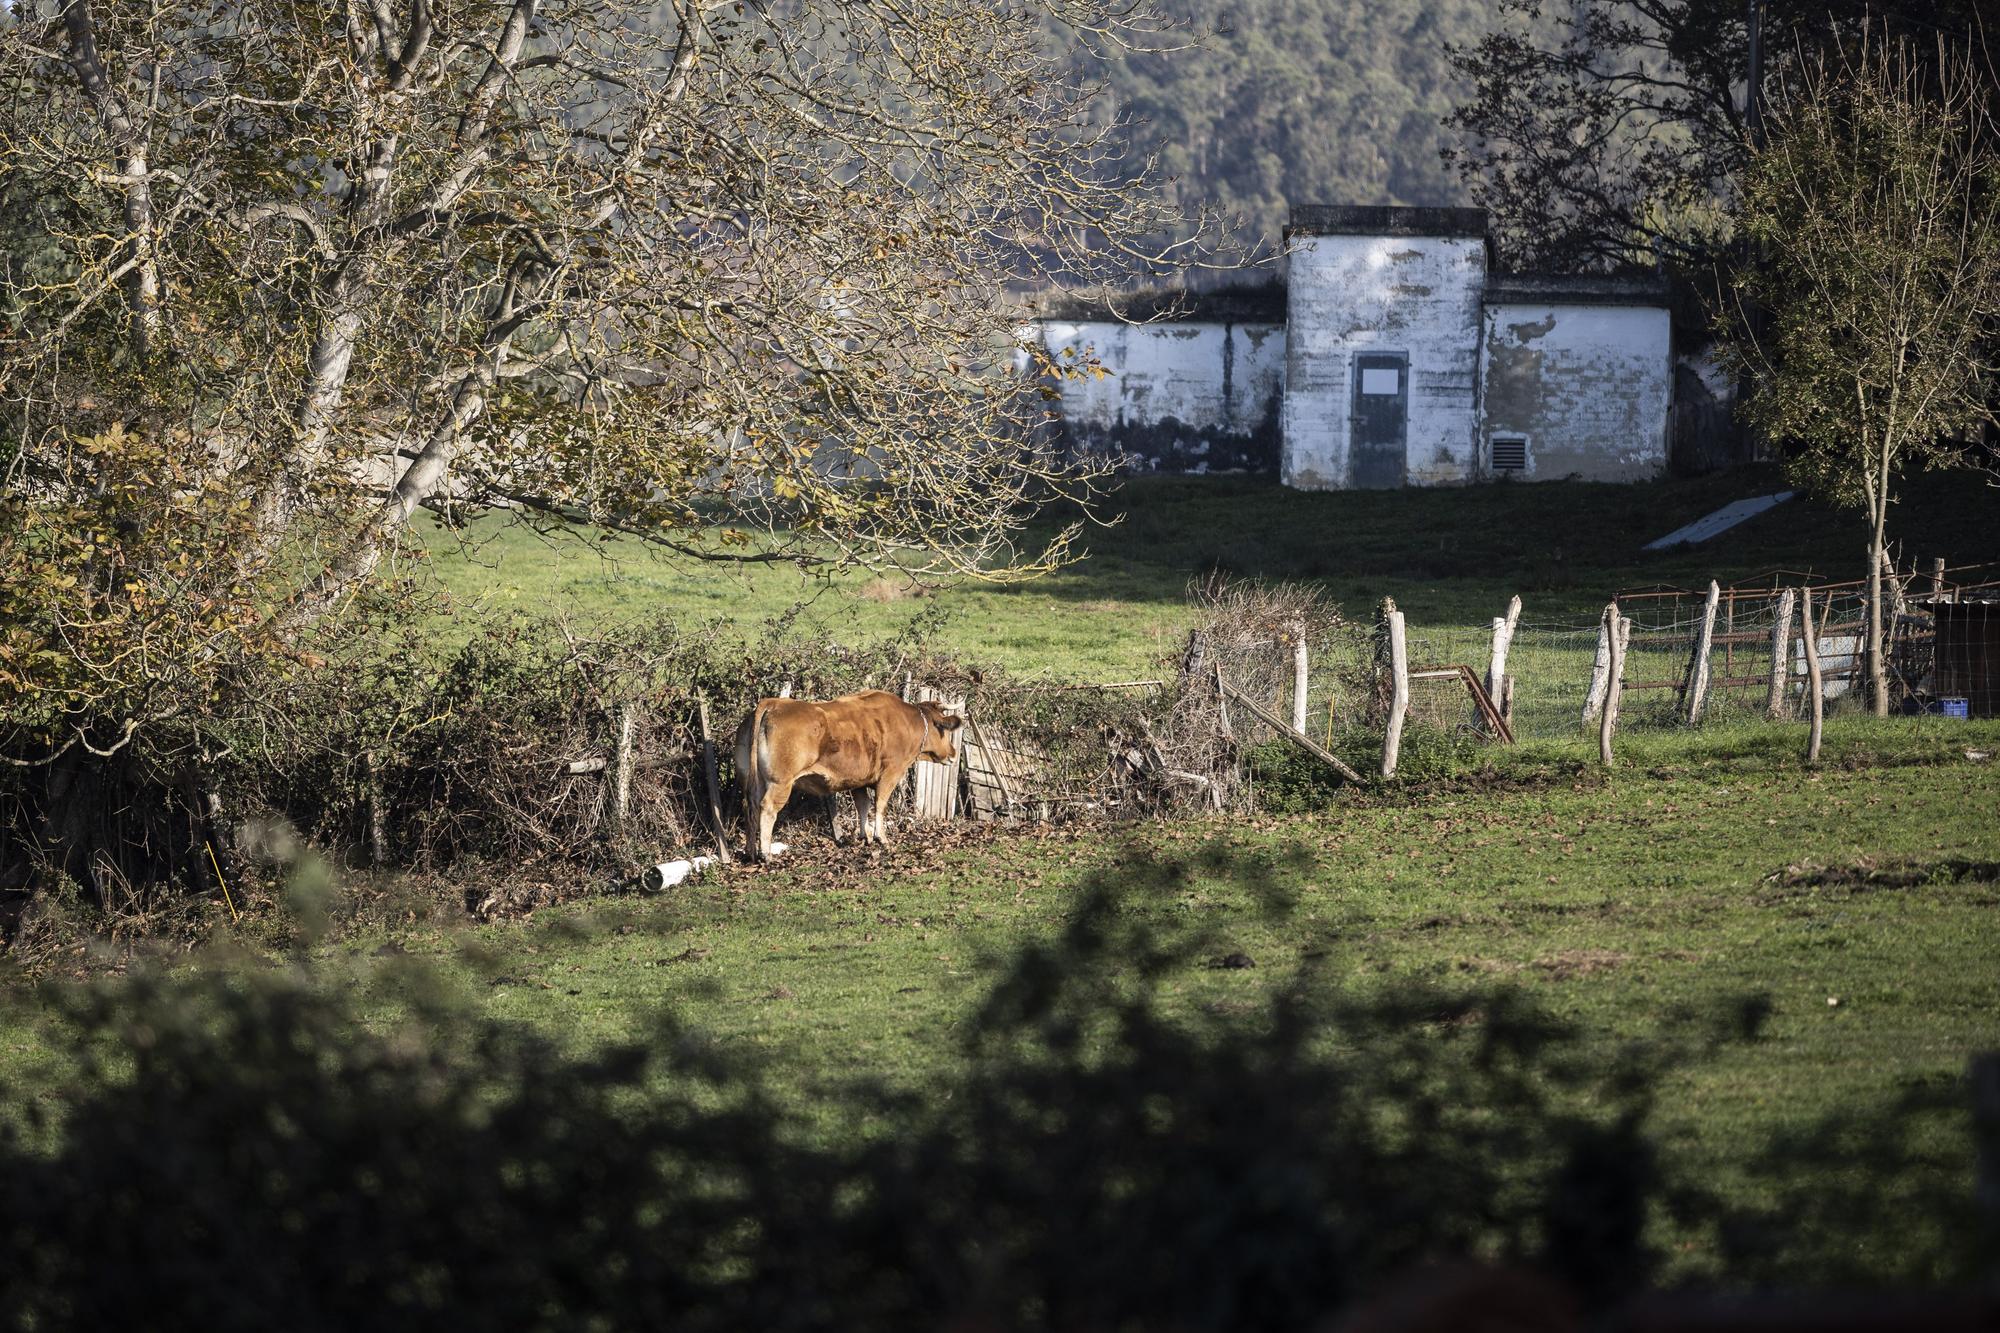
pixel 539 751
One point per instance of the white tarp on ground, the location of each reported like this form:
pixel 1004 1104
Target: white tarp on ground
pixel 1721 520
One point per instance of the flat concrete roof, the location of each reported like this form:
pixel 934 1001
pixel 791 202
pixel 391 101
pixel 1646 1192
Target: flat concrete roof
pixel 1236 303
pixel 1385 220
pixel 1642 289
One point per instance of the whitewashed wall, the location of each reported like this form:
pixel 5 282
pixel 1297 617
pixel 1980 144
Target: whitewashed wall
pixel 1587 386
pixel 1419 295
pixel 1179 396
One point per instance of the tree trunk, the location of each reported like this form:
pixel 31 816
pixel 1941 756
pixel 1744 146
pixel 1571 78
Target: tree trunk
pixel 1878 668
pixel 1815 685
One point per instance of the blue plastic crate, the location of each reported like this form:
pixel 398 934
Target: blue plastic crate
pixel 1952 707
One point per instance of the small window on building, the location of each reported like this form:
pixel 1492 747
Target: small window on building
pixel 1381 379
pixel 1510 455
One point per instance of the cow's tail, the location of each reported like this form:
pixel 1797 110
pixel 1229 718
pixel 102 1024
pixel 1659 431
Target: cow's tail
pixel 756 770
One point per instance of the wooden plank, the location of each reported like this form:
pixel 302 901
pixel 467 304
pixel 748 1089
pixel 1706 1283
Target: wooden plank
pixel 1296 737
pixel 993 777
pixel 934 786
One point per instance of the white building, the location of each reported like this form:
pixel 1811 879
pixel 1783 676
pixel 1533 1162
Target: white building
pixel 1196 392
pixel 1405 361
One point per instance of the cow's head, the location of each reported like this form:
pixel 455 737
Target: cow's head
pixel 940 732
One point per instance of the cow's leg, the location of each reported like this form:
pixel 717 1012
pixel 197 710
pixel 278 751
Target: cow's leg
pixel 833 817
pixel 884 790
pixel 775 797
pixel 864 797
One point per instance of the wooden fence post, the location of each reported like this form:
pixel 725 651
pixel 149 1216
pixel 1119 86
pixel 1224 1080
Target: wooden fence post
pixel 1600 669
pixel 621 770
pixel 1695 690
pixel 1496 658
pixel 1809 639
pixel 713 781
pixel 1937 578
pixel 1615 632
pixel 378 820
pixel 1781 656
pixel 1300 678
pixel 1399 689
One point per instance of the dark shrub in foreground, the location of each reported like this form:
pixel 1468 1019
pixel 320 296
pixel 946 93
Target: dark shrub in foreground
pixel 239 1150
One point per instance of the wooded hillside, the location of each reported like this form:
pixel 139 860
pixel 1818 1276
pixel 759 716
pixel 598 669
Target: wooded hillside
pixel 1300 101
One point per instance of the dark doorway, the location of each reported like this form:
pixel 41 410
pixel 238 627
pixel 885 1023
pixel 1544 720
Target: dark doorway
pixel 1377 456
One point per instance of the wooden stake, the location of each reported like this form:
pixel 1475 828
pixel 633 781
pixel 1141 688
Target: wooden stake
pixel 1300 678
pixel 713 781
pixel 1296 737
pixel 1507 700
pixel 1615 632
pixel 621 779
pixel 1729 636
pixel 1809 638
pixel 1503 639
pixel 1600 670
pixel 1695 690
pixel 1399 686
pixel 1937 579
pixel 378 823
pixel 1781 656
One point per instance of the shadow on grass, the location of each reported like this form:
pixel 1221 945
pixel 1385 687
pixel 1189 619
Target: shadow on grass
pixel 234 1143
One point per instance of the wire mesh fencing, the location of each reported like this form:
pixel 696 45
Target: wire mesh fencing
pixel 1708 655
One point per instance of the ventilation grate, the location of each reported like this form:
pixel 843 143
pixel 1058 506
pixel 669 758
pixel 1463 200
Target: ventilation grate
pixel 1510 455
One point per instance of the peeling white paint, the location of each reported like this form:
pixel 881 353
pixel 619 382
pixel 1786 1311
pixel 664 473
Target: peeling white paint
pixel 1169 387
pixel 1590 384
pixel 1418 295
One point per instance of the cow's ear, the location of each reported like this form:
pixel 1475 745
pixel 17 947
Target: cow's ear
pixel 950 722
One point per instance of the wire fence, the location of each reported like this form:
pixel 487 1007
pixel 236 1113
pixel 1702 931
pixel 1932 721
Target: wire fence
pixel 1940 654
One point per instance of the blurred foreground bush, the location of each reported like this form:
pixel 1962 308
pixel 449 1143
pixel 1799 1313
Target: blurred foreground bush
pixel 239 1149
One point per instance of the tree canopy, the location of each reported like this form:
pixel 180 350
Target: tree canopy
pixel 1866 304
pixel 277 278
pixel 1298 102
pixel 1608 132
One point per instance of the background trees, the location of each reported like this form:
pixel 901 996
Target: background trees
pixel 1867 307
pixel 1299 102
pixel 1605 132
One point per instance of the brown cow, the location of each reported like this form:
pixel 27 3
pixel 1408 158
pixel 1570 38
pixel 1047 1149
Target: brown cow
pixel 863 743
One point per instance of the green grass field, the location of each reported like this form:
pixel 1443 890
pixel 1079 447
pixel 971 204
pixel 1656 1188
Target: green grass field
pixel 1449 557
pixel 1862 898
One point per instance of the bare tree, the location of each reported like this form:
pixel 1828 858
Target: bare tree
pixel 1875 216
pixel 695 269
